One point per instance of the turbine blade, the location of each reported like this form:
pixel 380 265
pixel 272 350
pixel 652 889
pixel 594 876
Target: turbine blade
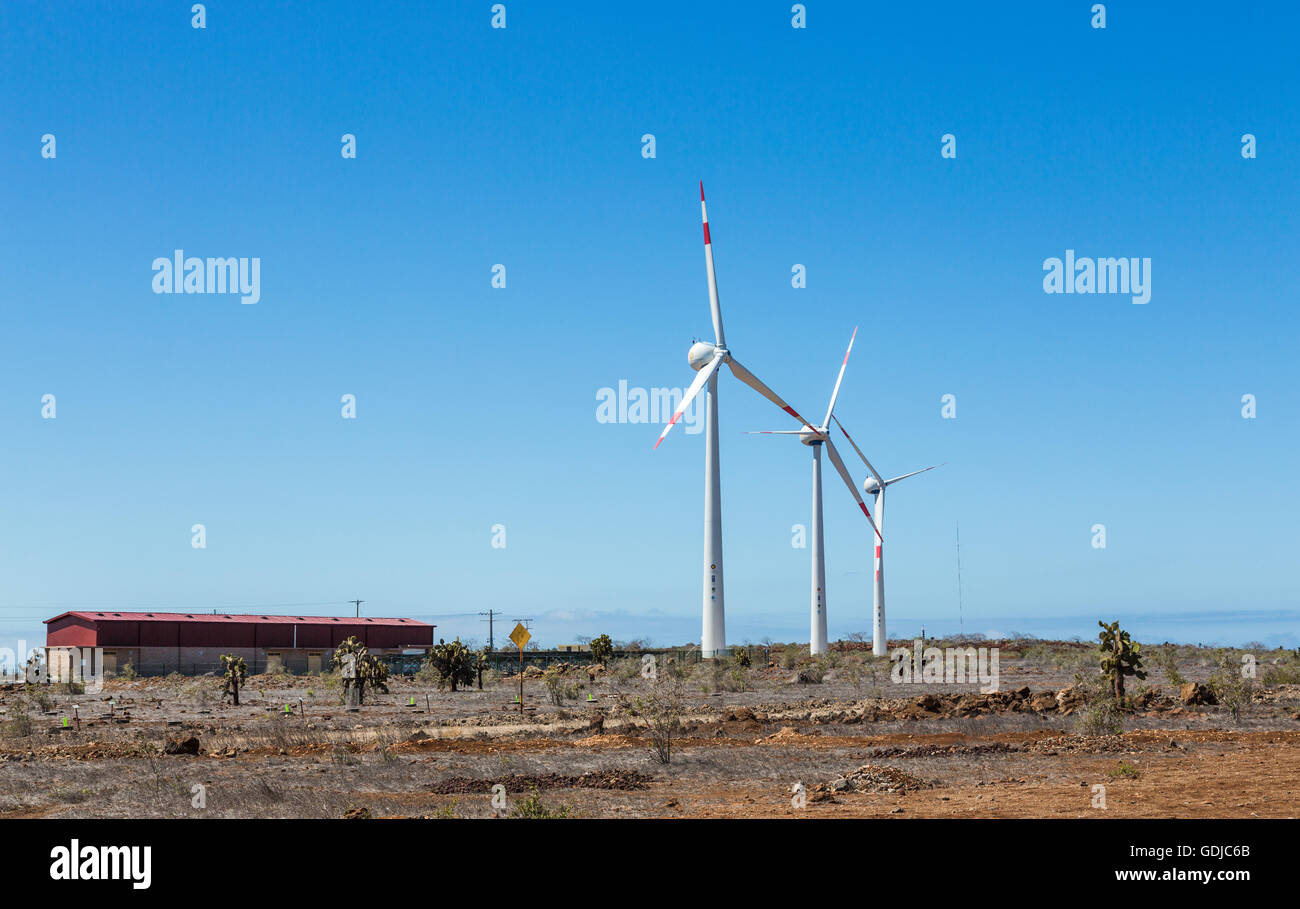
pixel 774 432
pixel 879 479
pixel 835 394
pixel 700 378
pixel 753 382
pixel 853 487
pixel 715 307
pixel 912 474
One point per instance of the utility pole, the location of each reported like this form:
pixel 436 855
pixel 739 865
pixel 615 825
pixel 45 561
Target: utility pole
pixel 961 626
pixel 358 605
pixel 490 613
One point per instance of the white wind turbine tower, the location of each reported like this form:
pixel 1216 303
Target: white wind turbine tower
pixel 706 358
pixel 815 438
pixel 875 485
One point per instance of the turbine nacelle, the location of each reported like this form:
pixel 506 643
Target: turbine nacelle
pixel 870 486
pixel 701 354
pixel 810 436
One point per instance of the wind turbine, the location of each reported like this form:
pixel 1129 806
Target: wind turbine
pixel 705 359
pixel 815 438
pixel 875 485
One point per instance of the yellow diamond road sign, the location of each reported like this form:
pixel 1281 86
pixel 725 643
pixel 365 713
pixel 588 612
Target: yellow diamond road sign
pixel 520 636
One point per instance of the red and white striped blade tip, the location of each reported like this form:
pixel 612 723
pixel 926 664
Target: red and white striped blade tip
pixel 671 424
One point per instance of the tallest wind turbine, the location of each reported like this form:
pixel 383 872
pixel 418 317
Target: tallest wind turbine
pixel 705 359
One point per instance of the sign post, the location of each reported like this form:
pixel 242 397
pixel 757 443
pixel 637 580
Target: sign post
pixel 520 636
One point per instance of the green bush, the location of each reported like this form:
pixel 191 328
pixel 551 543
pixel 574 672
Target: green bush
pixel 1101 713
pixel 531 808
pixel 1287 673
pixel 1124 770
pixel 557 688
pixel 40 697
pixel 1230 687
pixel 602 648
pixel 20 722
pixel 1165 659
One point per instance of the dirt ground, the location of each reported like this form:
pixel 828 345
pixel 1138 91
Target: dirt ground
pixel 852 745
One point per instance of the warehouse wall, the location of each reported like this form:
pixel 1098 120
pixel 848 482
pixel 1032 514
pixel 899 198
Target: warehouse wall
pixel 198 660
pixel 70 631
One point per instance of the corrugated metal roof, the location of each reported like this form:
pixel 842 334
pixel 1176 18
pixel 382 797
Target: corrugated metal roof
pixel 109 615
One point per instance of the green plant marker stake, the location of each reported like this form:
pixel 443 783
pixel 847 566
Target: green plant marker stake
pixel 65 722
pixel 412 704
pixel 286 708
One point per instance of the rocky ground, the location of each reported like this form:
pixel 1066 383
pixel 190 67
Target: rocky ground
pixel 852 744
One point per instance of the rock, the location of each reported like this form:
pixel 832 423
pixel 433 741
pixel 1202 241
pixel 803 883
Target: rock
pixel 930 703
pixel 182 746
pixel 1193 693
pixel 1043 701
pixel 1068 699
pixel 910 712
pixel 870 778
pixel 354 814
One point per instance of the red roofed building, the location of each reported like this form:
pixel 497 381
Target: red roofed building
pixel 157 643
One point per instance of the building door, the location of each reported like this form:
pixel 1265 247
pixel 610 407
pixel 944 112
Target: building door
pixel 313 663
pixel 110 663
pixel 273 661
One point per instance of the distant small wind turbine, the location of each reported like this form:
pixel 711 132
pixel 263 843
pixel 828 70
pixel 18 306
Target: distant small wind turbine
pixel 875 485
pixel 815 438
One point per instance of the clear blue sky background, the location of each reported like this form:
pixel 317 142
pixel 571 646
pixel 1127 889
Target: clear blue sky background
pixel 477 406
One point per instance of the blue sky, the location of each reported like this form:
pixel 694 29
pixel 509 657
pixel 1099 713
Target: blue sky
pixel 476 406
